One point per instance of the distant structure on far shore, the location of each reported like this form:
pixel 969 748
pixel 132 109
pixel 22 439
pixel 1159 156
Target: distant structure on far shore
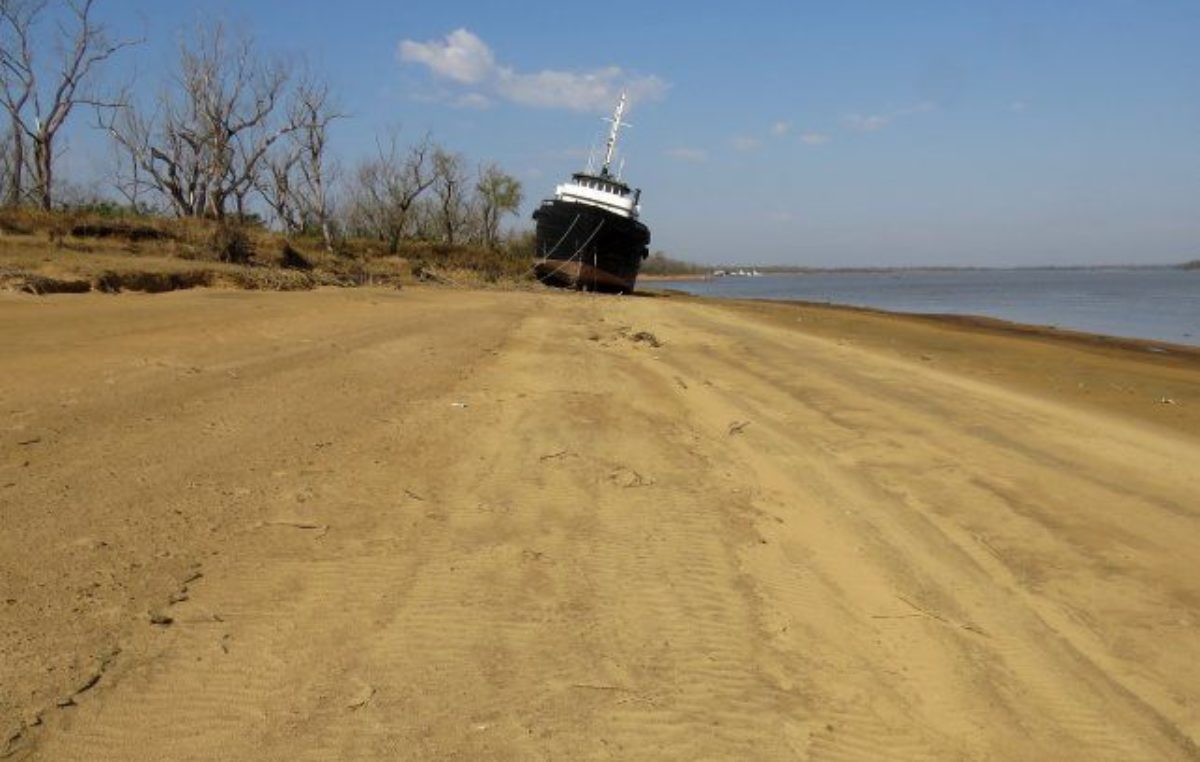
pixel 739 273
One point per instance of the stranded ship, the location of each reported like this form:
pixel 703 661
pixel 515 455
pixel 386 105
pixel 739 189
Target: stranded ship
pixel 589 236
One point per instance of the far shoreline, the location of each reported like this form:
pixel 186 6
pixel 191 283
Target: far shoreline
pixel 1177 337
pixel 770 270
pixel 675 278
pixel 964 321
pixel 1136 379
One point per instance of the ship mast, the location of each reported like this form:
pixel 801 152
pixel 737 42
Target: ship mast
pixel 611 146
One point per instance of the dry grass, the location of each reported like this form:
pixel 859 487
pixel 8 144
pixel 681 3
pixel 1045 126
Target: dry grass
pixel 63 252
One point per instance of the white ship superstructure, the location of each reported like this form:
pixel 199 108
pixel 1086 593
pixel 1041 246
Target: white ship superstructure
pixel 602 189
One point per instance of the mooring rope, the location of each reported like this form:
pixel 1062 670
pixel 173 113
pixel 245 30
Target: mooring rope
pixel 577 253
pixel 564 236
pixel 554 248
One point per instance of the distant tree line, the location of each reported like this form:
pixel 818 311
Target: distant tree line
pixel 659 263
pixel 233 134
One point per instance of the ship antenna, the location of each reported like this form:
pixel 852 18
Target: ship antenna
pixel 617 124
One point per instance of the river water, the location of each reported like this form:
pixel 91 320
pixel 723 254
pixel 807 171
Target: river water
pixel 1150 303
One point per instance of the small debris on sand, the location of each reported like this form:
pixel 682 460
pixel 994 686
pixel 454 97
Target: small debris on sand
pixel 628 478
pixel 646 337
pixel 361 698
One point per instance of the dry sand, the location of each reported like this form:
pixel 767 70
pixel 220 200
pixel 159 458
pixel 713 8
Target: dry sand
pixel 449 525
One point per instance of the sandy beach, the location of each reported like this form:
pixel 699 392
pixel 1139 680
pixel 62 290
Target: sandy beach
pixel 448 524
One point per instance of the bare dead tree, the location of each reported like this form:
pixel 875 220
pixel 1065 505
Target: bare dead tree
pixel 276 185
pixel 127 178
pixel 387 187
pixel 449 186
pixel 426 221
pixel 37 114
pixel 17 80
pixel 166 156
pixel 310 114
pixel 497 193
pixel 5 168
pixel 205 146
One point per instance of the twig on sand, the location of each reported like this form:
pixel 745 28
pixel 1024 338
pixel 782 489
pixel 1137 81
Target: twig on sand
pixel 924 611
pixel 737 427
pixel 556 455
pixel 933 615
pixel 308 525
pixel 414 495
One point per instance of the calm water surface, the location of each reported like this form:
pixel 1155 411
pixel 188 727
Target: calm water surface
pixel 1161 304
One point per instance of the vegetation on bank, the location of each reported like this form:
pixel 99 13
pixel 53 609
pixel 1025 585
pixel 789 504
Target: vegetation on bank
pixel 1192 265
pixel 85 250
pixel 234 137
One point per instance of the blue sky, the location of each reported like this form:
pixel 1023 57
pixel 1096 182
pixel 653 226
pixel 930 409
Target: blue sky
pixel 831 134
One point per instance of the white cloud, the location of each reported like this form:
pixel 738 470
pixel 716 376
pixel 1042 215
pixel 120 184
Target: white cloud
pixel 595 90
pixel 463 58
pixel 692 155
pixel 876 122
pixel 745 143
pixel 871 123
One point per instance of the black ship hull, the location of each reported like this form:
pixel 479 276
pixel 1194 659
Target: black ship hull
pixel 587 248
